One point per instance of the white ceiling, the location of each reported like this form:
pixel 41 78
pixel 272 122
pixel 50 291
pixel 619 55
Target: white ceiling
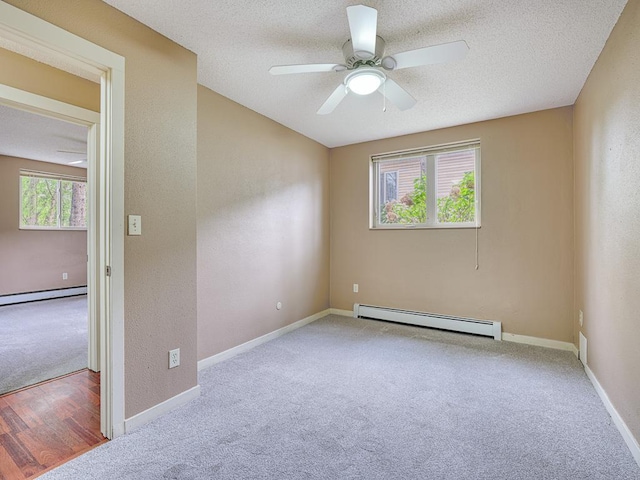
pixel 524 56
pixel 27 135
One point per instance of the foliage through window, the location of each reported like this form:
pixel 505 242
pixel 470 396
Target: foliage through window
pixel 52 202
pixel 432 187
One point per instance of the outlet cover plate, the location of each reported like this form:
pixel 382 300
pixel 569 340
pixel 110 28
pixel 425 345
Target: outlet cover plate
pixel 174 358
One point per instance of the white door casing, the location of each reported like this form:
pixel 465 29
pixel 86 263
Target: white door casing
pixel 107 183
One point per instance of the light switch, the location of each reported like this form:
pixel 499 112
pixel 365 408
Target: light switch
pixel 135 225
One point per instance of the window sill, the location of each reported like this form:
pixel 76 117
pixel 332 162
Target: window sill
pixel 426 227
pixel 53 229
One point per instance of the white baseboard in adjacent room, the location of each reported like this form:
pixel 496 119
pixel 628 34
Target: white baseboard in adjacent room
pixel 43 295
pixel 142 418
pixel 232 352
pixel 540 342
pixel 628 437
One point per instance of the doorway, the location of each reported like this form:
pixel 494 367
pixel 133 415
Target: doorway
pixel 44 308
pixel 106 264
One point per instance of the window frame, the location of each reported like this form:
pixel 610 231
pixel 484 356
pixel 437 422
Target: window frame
pixel 429 153
pixel 58 178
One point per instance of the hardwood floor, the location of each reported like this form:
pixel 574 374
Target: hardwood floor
pixel 48 424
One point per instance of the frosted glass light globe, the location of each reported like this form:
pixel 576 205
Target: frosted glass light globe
pixel 364 82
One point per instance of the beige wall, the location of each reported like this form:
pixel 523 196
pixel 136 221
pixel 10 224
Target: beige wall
pixel 26 74
pixel 525 277
pixel 607 198
pixel 263 225
pixel 160 185
pixel 34 260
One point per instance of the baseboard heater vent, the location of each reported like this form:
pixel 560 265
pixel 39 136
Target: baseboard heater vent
pixel 432 320
pixel 42 295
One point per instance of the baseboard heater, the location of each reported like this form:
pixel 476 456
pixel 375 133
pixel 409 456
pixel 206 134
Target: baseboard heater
pixel 42 295
pixel 432 320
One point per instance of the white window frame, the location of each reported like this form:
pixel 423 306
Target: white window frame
pixel 429 153
pixel 58 178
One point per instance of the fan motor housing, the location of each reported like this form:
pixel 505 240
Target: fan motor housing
pixel 357 59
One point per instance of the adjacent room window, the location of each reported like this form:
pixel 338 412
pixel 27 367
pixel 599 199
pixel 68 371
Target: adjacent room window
pixel 433 187
pixel 52 202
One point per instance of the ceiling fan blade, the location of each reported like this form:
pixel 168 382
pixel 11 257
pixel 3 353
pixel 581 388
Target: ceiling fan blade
pixel 333 101
pixel 447 52
pixel 309 68
pixel 397 95
pixel 363 23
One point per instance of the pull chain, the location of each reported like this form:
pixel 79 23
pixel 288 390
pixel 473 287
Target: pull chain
pixel 384 97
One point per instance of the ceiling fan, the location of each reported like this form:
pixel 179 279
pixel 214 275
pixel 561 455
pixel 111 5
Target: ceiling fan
pixel 75 152
pixel 366 63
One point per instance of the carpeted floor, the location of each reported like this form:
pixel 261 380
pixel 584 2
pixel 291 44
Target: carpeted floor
pixel 42 340
pixel 346 398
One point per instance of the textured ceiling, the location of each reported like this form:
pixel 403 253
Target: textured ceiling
pixel 524 56
pixel 27 135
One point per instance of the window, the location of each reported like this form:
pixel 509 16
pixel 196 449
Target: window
pixel 52 202
pixel 434 187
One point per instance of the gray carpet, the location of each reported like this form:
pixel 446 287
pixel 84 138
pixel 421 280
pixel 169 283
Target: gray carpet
pixel 42 340
pixel 358 399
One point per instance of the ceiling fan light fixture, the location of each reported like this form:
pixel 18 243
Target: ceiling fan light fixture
pixel 364 82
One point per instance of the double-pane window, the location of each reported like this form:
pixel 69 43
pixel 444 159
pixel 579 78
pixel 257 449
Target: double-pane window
pixel 52 202
pixel 427 188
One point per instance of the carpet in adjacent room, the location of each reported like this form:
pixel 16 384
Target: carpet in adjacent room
pixel 42 340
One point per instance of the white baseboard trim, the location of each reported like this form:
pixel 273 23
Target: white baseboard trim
pixel 540 342
pixel 232 352
pixel 117 431
pixel 44 295
pixel 344 313
pixel 628 437
pixel 142 418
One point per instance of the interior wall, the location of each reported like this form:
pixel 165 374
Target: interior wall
pixel 26 74
pixel 607 230
pixel 34 260
pixel 263 225
pixel 525 275
pixel 160 185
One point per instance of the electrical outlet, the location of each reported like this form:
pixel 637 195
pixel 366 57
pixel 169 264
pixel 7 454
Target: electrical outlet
pixel 355 288
pixel 65 276
pixel 174 358
pixel 581 317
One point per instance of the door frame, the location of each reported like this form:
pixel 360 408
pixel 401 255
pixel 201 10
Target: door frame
pixel 30 102
pixel 36 35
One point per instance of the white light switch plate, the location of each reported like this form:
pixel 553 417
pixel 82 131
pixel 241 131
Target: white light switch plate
pixel 135 225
